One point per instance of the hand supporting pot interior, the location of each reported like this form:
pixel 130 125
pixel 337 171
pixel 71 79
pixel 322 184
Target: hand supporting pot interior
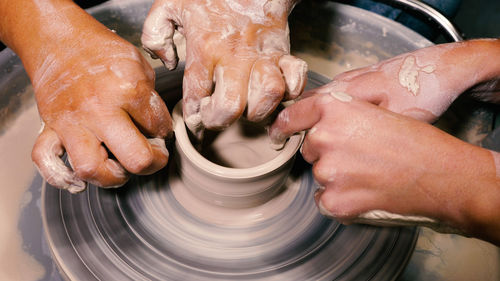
pixel 237 57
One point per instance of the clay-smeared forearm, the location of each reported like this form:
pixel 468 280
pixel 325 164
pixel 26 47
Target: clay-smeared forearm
pixel 422 84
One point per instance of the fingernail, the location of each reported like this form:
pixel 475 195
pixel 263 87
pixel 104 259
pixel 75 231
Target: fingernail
pixel 42 127
pixel 115 186
pixel 318 193
pixel 341 96
pixel 76 186
pixel 277 140
pixel 195 125
pixel 277 143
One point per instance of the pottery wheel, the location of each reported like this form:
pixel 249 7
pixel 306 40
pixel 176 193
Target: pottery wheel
pixel 141 232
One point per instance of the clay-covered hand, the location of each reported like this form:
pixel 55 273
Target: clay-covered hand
pixel 422 84
pixel 367 158
pixel 96 96
pixel 237 57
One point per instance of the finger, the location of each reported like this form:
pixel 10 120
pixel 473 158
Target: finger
pixel 303 115
pixel 299 116
pixel 89 159
pixel 128 145
pixel 46 155
pixel 229 99
pixel 151 114
pixel 265 90
pixel 197 84
pixel 295 73
pixel 325 171
pixel 308 150
pixel 345 205
pixel 158 34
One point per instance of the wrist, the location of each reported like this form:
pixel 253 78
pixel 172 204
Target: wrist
pixel 469 190
pixel 56 28
pixel 459 183
pixel 466 64
pixel 481 214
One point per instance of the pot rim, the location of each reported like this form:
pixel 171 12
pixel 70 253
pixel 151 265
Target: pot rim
pixel 184 144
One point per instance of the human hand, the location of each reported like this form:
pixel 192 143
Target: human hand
pixel 237 57
pixel 422 84
pixel 366 159
pixel 94 97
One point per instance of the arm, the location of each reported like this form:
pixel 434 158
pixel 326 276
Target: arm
pixel 422 84
pixel 94 91
pixel 366 159
pixel 237 57
pixel 370 160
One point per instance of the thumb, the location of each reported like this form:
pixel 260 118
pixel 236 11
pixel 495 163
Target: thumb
pixel 158 32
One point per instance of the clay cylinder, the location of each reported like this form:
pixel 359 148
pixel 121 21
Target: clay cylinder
pixel 238 170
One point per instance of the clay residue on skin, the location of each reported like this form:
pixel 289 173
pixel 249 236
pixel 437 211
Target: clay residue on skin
pixel 16 174
pixel 409 72
pixel 158 36
pixel 277 139
pixel 343 97
pixel 295 81
pixel 246 19
pixel 56 172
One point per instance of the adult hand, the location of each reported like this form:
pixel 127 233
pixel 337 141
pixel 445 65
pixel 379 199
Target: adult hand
pixel 367 158
pixel 95 94
pixel 237 57
pixel 422 84
pixel 100 100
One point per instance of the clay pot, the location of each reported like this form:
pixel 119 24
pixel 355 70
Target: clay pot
pixel 224 178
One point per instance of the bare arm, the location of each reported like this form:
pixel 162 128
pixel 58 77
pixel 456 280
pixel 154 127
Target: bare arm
pixel 367 158
pixel 422 84
pixel 94 91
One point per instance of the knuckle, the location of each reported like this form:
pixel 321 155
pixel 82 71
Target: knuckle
pixel 275 89
pixel 86 171
pixel 324 173
pixel 307 155
pixel 221 117
pixel 318 138
pixel 37 154
pixel 140 162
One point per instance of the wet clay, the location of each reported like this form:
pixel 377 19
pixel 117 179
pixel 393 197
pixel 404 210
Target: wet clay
pixel 16 174
pixel 319 63
pixel 219 215
pixel 409 73
pixel 242 145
